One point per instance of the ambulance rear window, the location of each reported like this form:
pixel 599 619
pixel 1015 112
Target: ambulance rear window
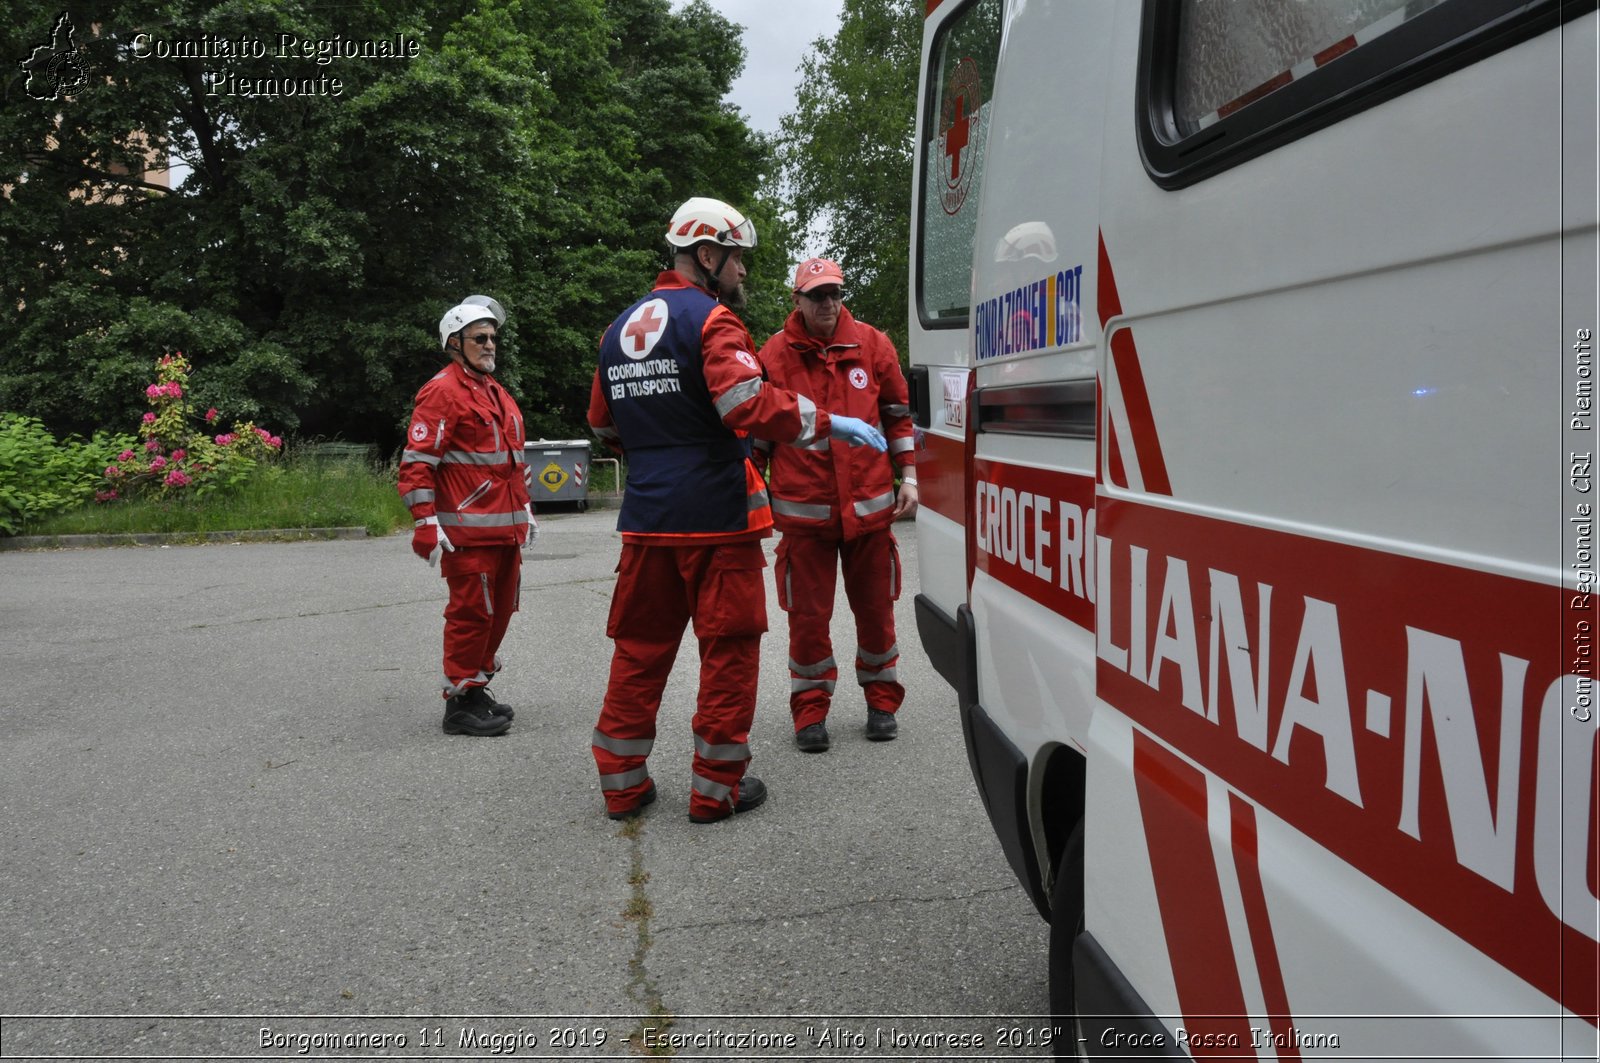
pixel 1221 81
pixel 955 129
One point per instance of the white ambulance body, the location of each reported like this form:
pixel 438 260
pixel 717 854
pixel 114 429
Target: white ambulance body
pixel 1251 351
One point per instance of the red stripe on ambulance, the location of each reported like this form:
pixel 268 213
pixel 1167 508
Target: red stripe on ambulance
pixel 1172 803
pixel 1410 716
pixel 1247 866
pixel 941 475
pixel 1145 444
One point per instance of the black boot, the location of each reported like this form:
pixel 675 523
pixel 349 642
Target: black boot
pixel 752 793
pixel 472 713
pixel 499 708
pixel 881 726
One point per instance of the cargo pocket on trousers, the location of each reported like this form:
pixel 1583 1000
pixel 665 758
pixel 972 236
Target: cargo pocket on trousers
pixel 733 597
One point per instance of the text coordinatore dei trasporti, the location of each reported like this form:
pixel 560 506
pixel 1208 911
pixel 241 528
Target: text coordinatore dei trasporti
pixel 223 80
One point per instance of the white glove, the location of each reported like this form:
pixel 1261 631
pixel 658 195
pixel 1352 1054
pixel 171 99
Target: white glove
pixel 533 525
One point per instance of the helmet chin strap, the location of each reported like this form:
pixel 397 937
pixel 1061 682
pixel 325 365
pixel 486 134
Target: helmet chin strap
pixel 460 349
pixel 712 284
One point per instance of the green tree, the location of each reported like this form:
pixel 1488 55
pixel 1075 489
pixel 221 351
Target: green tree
pixel 846 152
pixel 675 70
pixel 303 264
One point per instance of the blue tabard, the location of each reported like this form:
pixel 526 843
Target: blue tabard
pixel 686 469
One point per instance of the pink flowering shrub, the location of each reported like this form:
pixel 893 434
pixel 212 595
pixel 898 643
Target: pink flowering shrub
pixel 179 457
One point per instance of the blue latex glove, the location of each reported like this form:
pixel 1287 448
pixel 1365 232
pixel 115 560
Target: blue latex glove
pixel 856 432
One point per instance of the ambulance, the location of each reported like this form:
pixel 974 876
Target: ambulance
pixel 1252 358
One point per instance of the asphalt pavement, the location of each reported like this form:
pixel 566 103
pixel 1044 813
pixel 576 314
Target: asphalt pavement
pixel 233 828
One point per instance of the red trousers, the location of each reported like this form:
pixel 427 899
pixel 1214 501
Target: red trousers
pixel 660 589
pixel 807 574
pixel 485 589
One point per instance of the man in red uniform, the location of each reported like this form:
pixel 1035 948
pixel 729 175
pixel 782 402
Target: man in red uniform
pixel 679 390
pixel 834 505
pixel 463 477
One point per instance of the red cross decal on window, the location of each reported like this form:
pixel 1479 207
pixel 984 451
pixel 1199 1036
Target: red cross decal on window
pixel 642 327
pixel 956 139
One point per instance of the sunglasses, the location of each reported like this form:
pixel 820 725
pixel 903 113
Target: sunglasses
pixel 483 339
pixel 823 296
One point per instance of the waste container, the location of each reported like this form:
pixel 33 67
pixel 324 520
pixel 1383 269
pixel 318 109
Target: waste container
pixel 560 471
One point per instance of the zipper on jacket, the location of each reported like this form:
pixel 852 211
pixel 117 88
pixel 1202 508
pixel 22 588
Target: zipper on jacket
pixel 477 494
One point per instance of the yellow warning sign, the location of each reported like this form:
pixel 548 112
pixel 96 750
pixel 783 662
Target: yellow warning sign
pixel 553 476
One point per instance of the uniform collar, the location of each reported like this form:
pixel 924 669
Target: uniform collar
pixel 672 279
pixel 846 334
pixel 471 379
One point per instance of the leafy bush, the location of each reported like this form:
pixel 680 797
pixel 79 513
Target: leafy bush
pixel 40 475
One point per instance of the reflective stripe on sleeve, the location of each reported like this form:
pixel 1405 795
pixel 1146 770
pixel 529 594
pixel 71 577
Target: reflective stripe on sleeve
pixel 729 751
pixel 902 445
pixel 421 494
pixel 757 500
pixel 808 421
pixel 419 455
pixel 623 747
pixel 606 433
pixel 738 395
pixel 894 409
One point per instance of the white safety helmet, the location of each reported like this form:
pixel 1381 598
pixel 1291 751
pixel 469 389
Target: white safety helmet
pixel 459 317
pixel 703 220
pixel 492 303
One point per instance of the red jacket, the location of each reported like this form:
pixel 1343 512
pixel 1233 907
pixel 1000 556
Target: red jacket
pixel 831 488
pixel 463 459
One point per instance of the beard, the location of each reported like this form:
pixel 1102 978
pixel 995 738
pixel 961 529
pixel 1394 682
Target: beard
pixel 735 299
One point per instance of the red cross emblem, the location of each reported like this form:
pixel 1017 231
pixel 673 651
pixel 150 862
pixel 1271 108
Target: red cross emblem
pixel 644 328
pixel 959 119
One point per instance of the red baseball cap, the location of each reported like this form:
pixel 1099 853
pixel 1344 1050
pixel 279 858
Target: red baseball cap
pixel 815 272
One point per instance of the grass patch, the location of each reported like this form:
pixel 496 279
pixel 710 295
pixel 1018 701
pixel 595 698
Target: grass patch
pixel 303 490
